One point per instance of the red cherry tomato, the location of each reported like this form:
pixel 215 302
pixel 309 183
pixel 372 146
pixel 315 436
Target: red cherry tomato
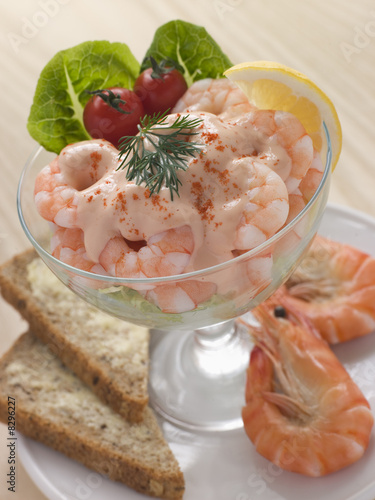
pixel 159 94
pixel 101 120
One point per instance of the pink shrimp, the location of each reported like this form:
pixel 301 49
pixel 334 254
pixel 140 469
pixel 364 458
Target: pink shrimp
pixel 276 128
pixel 253 274
pixel 306 189
pixel 180 297
pixel 217 96
pixel 77 167
pixel 259 272
pixel 267 206
pixel 310 182
pixel 291 135
pixel 303 411
pixel 67 245
pixel 281 136
pixel 297 202
pixel 164 254
pixel 54 199
pixel 334 287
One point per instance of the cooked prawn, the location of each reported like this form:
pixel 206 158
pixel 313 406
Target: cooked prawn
pixel 310 182
pixel 217 96
pixel 267 206
pixel 306 189
pixel 297 202
pixel 67 245
pixel 77 167
pixel 180 297
pixel 281 136
pixel 164 254
pixel 280 128
pixel 303 411
pixel 292 136
pixel 258 273
pixel 334 287
pixel 54 199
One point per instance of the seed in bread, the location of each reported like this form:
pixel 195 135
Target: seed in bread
pixel 54 407
pixel 108 354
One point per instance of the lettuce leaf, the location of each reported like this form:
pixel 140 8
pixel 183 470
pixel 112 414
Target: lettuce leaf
pixel 191 47
pixel 55 118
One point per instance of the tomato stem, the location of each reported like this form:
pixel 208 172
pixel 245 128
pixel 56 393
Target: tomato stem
pixel 113 100
pixel 165 66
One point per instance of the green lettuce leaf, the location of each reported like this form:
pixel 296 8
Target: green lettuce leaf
pixel 55 118
pixel 191 47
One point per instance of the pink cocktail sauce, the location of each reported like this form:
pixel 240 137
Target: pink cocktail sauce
pixel 212 195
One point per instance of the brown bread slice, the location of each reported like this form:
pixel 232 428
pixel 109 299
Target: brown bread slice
pixel 54 407
pixel 109 355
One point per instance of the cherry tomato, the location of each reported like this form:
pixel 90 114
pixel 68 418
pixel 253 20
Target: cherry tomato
pixel 162 93
pixel 102 120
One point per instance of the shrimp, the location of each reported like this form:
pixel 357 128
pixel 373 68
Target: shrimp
pixel 297 202
pixel 77 167
pixel 306 189
pixel 223 98
pixel 334 287
pixel 267 206
pixel 310 182
pixel 217 96
pixel 67 245
pixel 303 411
pixel 258 270
pixel 54 199
pixel 180 297
pixel 165 254
pixel 292 136
pixel 281 137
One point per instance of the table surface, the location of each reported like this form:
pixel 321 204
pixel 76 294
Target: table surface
pixel 333 42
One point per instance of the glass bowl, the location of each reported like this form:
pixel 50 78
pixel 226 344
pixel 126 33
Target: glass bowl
pixel 196 380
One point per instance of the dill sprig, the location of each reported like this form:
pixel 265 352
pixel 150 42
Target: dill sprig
pixel 157 160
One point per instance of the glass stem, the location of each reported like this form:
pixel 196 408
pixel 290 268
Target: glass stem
pixel 221 349
pixel 198 378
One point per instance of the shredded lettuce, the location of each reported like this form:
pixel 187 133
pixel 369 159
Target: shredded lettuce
pixel 138 307
pixel 56 115
pixel 191 47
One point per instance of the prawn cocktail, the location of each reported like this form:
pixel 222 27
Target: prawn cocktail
pixel 184 173
pixel 251 171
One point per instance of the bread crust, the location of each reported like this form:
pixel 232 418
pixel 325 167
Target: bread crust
pixel 48 327
pixel 80 441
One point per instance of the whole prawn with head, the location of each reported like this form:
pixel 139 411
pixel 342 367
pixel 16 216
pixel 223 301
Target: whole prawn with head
pixel 303 411
pixel 334 287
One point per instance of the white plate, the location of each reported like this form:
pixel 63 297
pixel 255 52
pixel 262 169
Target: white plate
pixel 225 466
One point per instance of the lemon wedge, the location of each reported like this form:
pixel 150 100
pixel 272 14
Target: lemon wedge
pixel 270 85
